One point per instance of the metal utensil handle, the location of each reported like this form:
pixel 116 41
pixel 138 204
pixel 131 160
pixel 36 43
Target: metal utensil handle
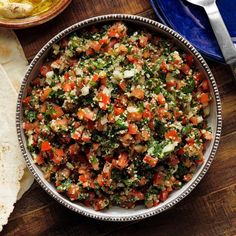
pixel 222 35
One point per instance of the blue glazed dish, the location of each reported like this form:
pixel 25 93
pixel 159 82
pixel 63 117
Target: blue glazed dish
pixel 191 22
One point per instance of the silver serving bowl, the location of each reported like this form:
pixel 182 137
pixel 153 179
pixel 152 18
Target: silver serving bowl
pixel 215 121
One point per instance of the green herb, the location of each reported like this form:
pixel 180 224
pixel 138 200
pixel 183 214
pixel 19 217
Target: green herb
pixel 31 115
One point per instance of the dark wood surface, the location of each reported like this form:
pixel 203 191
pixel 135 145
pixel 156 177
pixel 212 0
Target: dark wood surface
pixel 209 210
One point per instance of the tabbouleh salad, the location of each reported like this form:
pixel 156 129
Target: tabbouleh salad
pixel 117 116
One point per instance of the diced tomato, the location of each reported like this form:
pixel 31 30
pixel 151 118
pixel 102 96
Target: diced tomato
pixel 137 194
pixel 161 112
pixel 161 99
pixel 133 129
pixel 198 77
pixel 68 86
pixel 187 177
pixel 118 110
pixel 204 98
pixel 172 134
pixel 185 68
pixel 190 141
pixel 189 59
pixel 163 67
pixel 146 54
pixel 73 192
pixel 135 116
pixel 45 146
pixel 151 161
pixel 171 83
pixel 27 126
pixel 143 41
pixel 158 179
pixel 104 100
pixel 177 114
pixel 145 135
pixel 89 52
pixel 180 151
pixel 100 180
pixel 74 149
pixel 58 156
pixel 81 114
pixel 99 204
pixel 39 159
pixel 61 122
pixel 66 76
pixel 88 114
pixel 194 120
pixel 43 108
pixel 147 114
pixel 95 46
pixel 123 85
pixel 95 78
pixel 122 161
pixel 138 93
pixel 103 41
pixel 57 112
pixel 44 70
pixel 164 195
pixel 132 59
pixel 26 101
pixel 86 137
pixel 205 85
pixel 45 94
pixel 113 34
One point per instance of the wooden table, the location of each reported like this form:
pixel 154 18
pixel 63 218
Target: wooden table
pixel 209 210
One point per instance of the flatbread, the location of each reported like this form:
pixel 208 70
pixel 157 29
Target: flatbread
pixel 12 57
pixel 12 164
pixel 13 61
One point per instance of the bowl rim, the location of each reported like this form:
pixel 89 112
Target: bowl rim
pixel 136 20
pixel 28 22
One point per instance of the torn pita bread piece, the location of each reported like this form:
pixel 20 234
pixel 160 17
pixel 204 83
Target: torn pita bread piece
pixel 12 57
pixel 25 183
pixel 12 164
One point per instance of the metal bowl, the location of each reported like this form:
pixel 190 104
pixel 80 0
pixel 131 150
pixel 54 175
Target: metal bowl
pixel 215 121
pixel 39 19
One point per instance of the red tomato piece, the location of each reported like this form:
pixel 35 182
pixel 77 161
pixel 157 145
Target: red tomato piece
pixel 44 70
pixel 118 110
pixel 46 146
pixel 151 161
pixel 164 195
pixel 204 98
pixel 57 112
pixel 185 68
pixel 58 156
pixel 39 159
pixel 189 59
pixel 133 129
pixel 161 99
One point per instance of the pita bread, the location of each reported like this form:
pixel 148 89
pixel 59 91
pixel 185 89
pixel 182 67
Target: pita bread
pixel 12 164
pixel 13 61
pixel 12 57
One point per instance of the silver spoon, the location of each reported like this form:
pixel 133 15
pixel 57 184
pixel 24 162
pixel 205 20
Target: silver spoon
pixel 222 35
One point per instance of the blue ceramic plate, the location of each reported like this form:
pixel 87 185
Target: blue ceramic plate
pixel 191 21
